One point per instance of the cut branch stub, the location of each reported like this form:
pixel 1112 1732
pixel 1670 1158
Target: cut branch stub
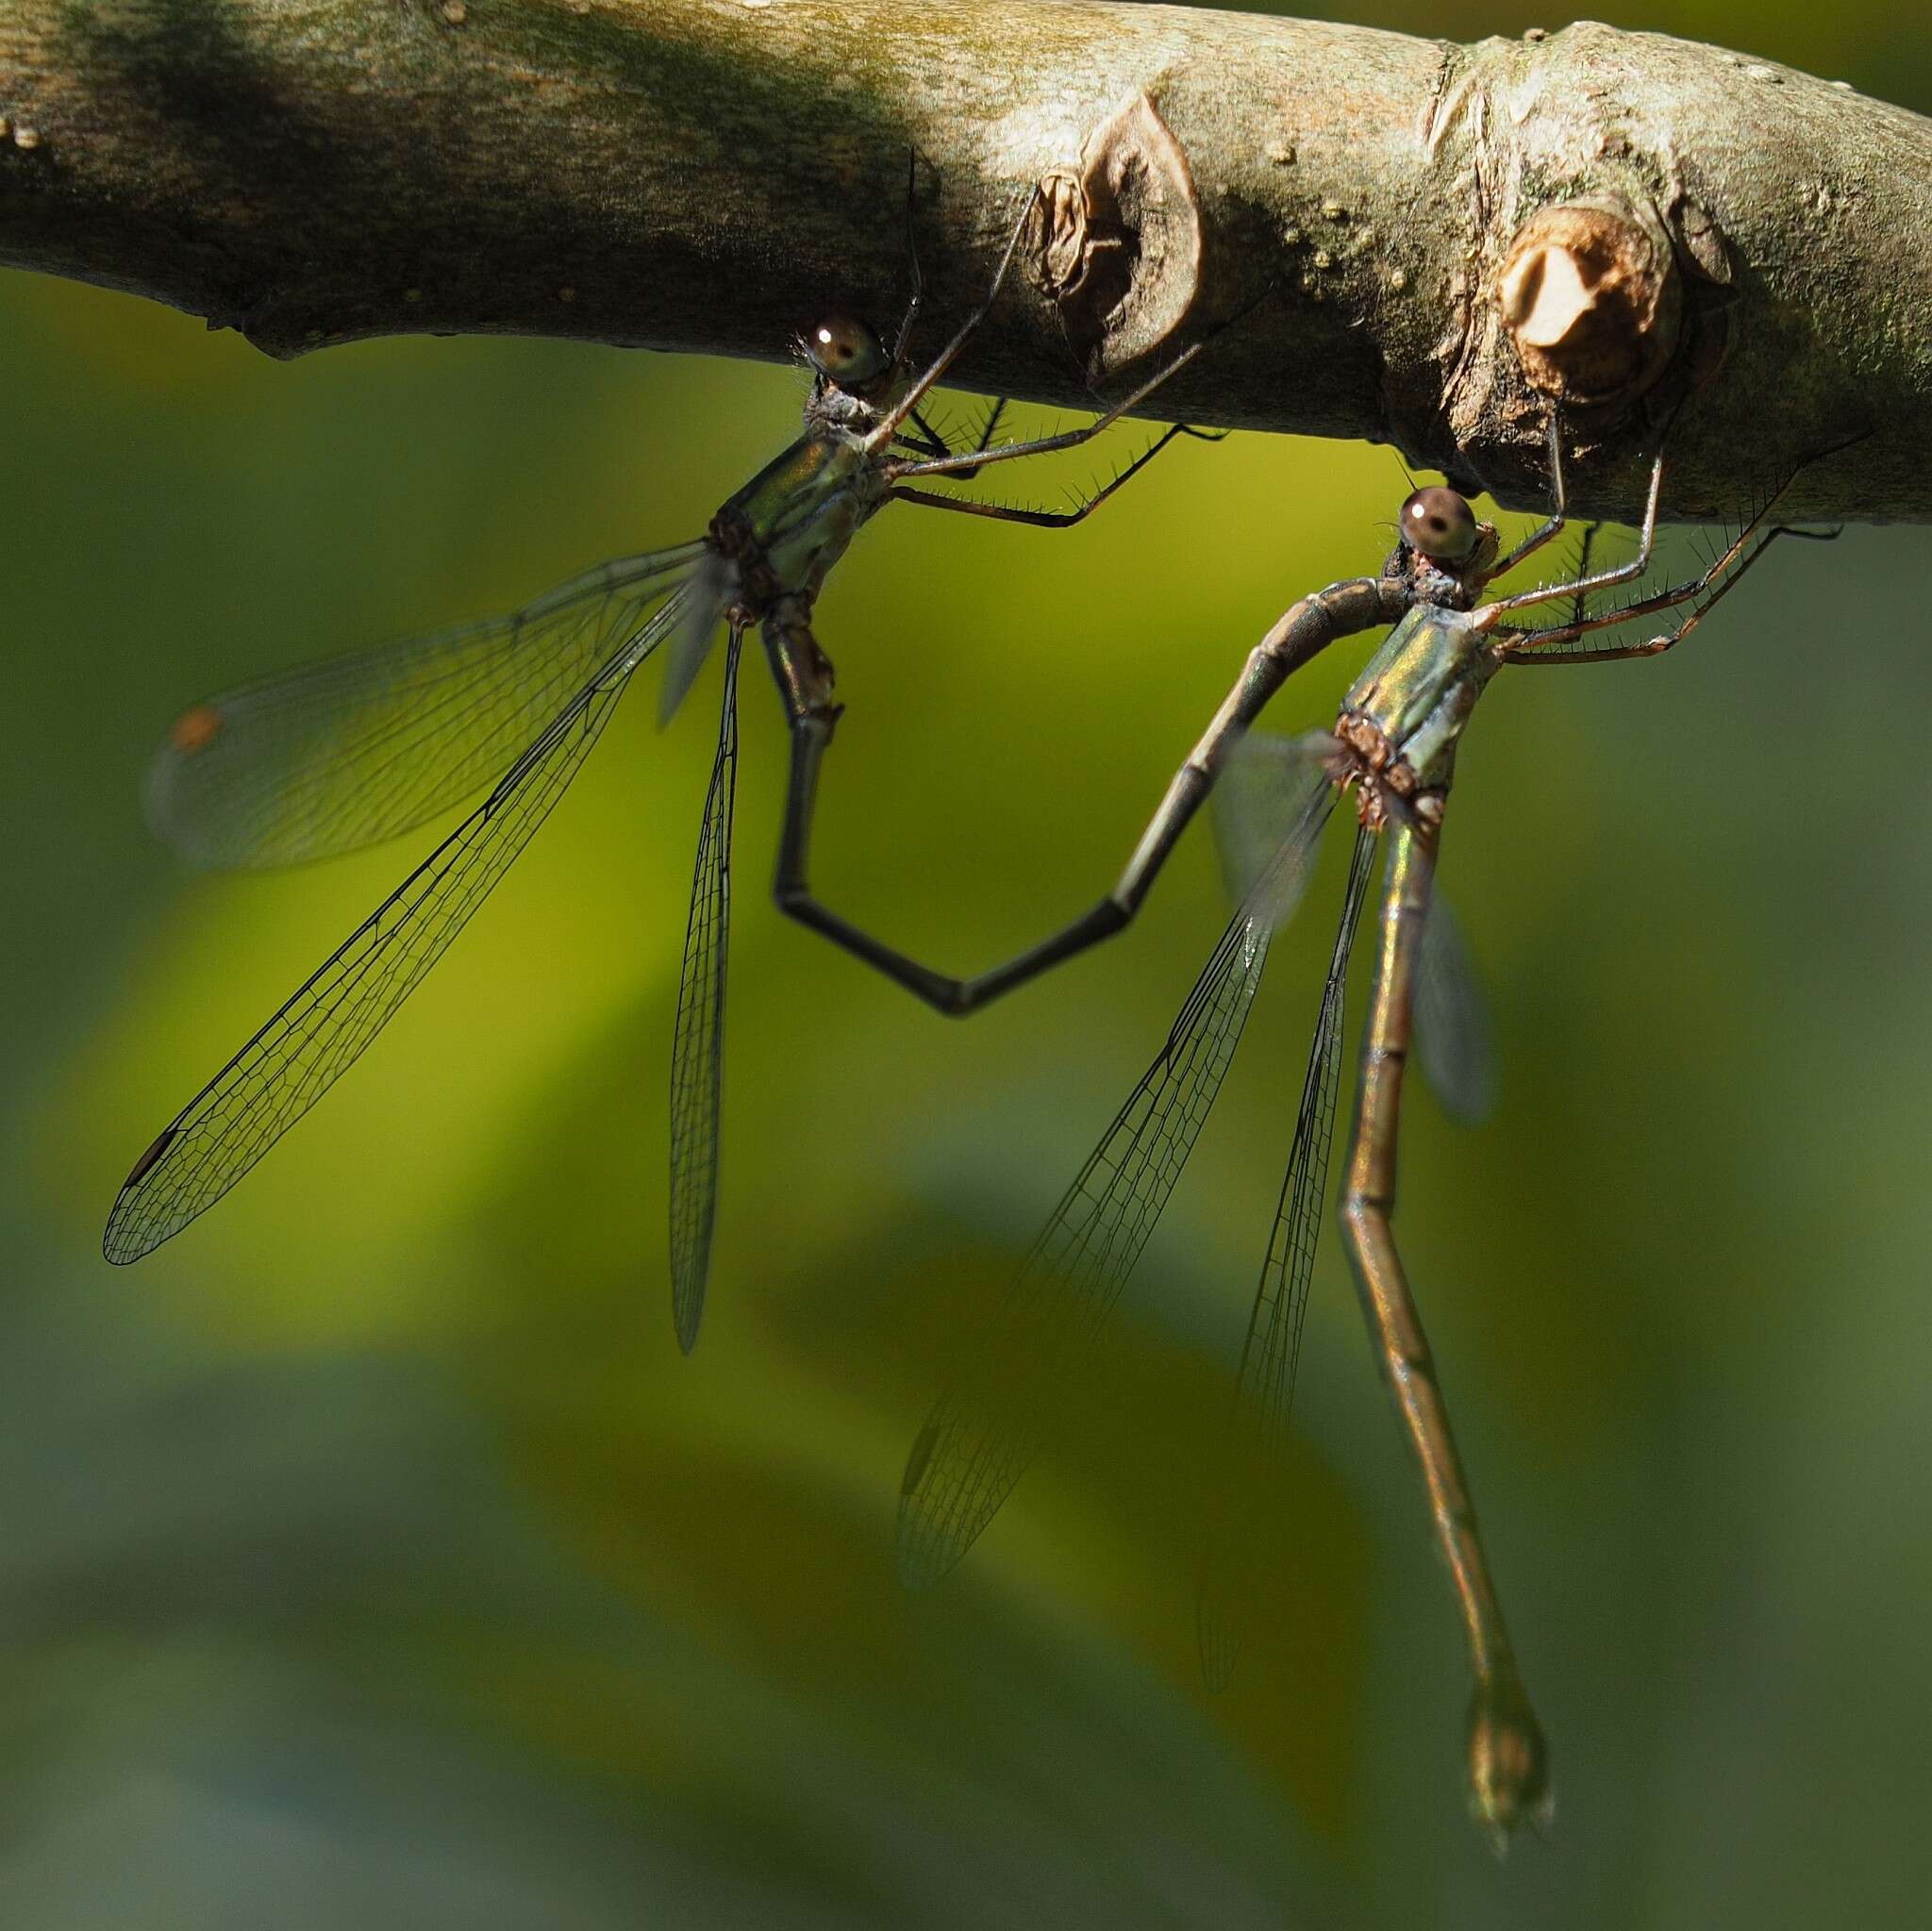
pixel 1117 238
pixel 1590 295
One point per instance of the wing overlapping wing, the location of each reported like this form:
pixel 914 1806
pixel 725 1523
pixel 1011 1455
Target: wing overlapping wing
pixel 323 1029
pixel 350 751
pixel 713 583
pixel 986 1429
pixel 1266 1389
pixel 1452 1020
pixel 697 1049
pixel 1256 794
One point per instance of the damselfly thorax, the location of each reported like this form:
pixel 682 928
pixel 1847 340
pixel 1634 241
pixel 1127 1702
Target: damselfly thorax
pixel 339 755
pixel 1402 716
pixel 786 529
pixel 1394 745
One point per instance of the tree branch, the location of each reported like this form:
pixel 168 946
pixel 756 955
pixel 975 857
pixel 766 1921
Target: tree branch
pixel 1403 239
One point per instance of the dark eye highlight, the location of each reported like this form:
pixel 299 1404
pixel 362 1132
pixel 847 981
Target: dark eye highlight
pixel 1439 524
pixel 845 352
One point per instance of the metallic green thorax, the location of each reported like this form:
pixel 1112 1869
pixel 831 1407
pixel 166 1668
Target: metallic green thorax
pixel 1404 714
pixel 798 514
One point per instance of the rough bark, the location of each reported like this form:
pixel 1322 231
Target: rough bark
pixel 1406 239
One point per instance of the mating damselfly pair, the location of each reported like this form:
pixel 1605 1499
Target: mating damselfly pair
pixel 340 755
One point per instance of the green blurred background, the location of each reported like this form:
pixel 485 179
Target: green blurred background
pixel 370 1557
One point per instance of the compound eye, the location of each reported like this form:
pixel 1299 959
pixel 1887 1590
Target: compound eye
pixel 847 352
pixel 1440 524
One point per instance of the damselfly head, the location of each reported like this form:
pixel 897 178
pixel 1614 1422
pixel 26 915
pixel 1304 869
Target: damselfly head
pixel 846 352
pixel 1444 549
pixel 1439 524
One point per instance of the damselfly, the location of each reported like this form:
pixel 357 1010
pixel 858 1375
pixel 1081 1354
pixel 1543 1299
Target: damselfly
pixel 342 754
pixel 1394 745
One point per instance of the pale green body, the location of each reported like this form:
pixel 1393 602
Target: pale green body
pixel 1420 688
pixel 805 507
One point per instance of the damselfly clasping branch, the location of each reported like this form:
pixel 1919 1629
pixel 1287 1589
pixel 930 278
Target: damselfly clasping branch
pixel 342 754
pixel 1393 744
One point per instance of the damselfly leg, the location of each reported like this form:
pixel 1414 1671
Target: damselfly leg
pixel 319 1031
pixel 1056 519
pixel 1309 627
pixel 1726 570
pixel 330 758
pixel 1395 741
pixel 1716 583
pixel 986 1429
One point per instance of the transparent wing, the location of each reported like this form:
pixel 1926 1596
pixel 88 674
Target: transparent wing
pixel 353 750
pixel 691 642
pixel 1267 783
pixel 1452 1020
pixel 1266 1389
pixel 1273 797
pixel 323 1029
pixel 697 1051
pixel 985 1430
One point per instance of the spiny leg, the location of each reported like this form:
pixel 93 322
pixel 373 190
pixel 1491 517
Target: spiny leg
pixel 888 425
pixel 992 423
pixel 974 461
pixel 1559 513
pixel 1581 587
pixel 918 295
pixel 1510 643
pixel 923 438
pixel 928 442
pixel 1508 1764
pixel 1579 603
pixel 1530 649
pixel 805 681
pixel 1053 519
